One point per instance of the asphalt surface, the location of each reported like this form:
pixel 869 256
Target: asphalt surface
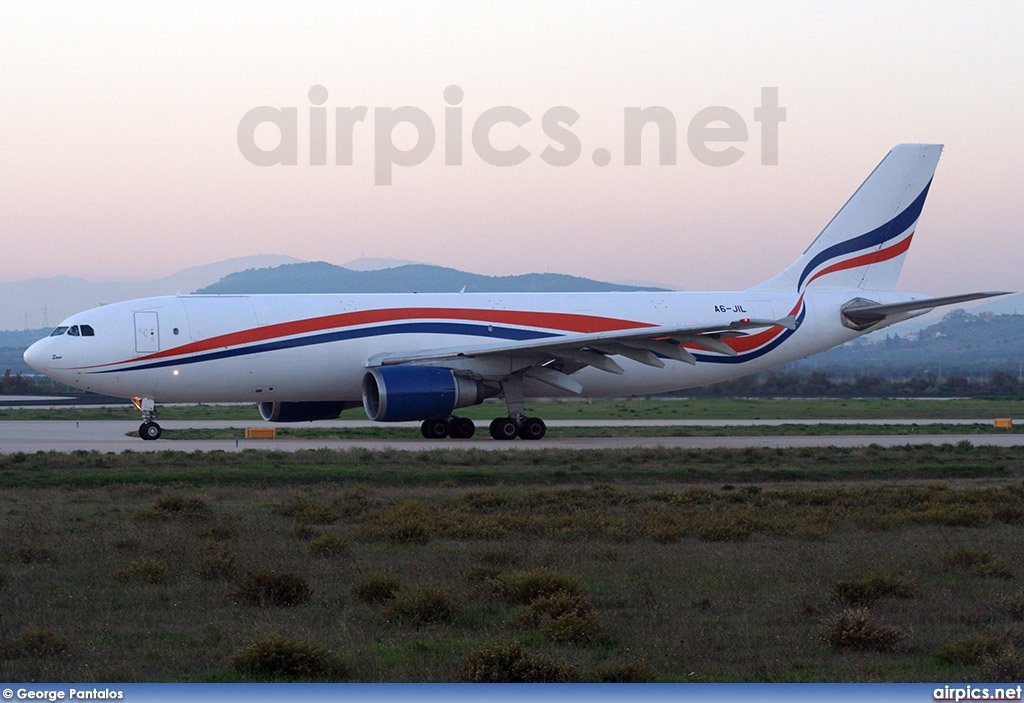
pixel 32 436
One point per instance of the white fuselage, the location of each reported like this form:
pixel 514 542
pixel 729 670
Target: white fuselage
pixel 238 348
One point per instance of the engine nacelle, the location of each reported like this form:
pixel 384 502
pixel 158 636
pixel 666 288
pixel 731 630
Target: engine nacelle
pixel 399 393
pixel 302 412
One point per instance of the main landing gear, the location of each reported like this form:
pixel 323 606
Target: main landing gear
pixel 521 427
pixel 149 429
pixel 454 427
pixel 517 424
pixel 500 428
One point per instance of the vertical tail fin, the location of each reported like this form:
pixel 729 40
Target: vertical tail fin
pixel 865 243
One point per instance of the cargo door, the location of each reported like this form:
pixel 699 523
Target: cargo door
pixel 147 332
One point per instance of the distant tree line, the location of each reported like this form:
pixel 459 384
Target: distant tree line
pixel 997 384
pixel 16 384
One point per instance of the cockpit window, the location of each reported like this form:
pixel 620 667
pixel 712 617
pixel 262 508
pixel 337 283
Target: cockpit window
pixel 74 331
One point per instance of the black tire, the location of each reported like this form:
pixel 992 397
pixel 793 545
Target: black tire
pixel 434 429
pixel 504 428
pixel 532 428
pixel 461 428
pixel 149 431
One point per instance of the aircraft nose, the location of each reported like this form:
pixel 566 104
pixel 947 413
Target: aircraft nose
pixel 36 357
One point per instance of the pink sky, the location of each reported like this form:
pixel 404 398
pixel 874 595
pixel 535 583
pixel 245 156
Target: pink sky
pixel 121 161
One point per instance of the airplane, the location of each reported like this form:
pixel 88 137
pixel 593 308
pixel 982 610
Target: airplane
pixel 420 357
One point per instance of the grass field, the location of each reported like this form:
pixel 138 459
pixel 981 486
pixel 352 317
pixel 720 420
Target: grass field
pixel 900 564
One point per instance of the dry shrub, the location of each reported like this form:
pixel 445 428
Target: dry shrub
pixel 33 554
pixel 956 515
pixel 1013 604
pixel 34 643
pixel 407 522
pixel 272 587
pixel 636 671
pixel 971 650
pixel 855 629
pixel 865 591
pixel 329 545
pixel 215 561
pixel 564 617
pixel 725 526
pixel 978 563
pixel 179 503
pixel 279 657
pixel 426 605
pixel 1005 665
pixel 512 663
pixel 147 570
pixel 355 501
pixel 525 586
pixel 304 532
pixel 376 587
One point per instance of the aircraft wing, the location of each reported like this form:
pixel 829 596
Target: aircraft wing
pixel 551 359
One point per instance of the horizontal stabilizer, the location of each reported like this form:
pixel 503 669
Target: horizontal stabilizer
pixel 865 315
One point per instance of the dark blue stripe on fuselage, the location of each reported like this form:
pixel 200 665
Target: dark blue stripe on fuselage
pixel 875 238
pixel 456 328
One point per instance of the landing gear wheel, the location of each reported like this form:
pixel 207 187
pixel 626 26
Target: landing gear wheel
pixel 532 428
pixel 504 428
pixel 461 428
pixel 149 430
pixel 434 429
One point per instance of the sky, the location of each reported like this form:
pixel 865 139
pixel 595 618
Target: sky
pixel 126 147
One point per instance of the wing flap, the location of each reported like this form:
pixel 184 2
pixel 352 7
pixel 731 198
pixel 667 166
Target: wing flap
pixel 556 379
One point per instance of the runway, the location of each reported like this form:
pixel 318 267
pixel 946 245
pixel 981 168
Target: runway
pixel 32 436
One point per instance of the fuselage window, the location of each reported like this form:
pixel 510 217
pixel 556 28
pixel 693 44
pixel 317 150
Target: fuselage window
pixel 87 331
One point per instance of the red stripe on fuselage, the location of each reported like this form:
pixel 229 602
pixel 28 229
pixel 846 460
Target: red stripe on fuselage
pixel 563 322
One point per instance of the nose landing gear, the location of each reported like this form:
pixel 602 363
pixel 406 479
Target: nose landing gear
pixel 149 429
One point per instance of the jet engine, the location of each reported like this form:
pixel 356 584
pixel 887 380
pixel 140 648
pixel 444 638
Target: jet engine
pixel 399 393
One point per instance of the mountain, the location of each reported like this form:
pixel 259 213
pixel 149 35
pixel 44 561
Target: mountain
pixel 374 264
pixel 43 302
pixel 321 277
pixel 1007 305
